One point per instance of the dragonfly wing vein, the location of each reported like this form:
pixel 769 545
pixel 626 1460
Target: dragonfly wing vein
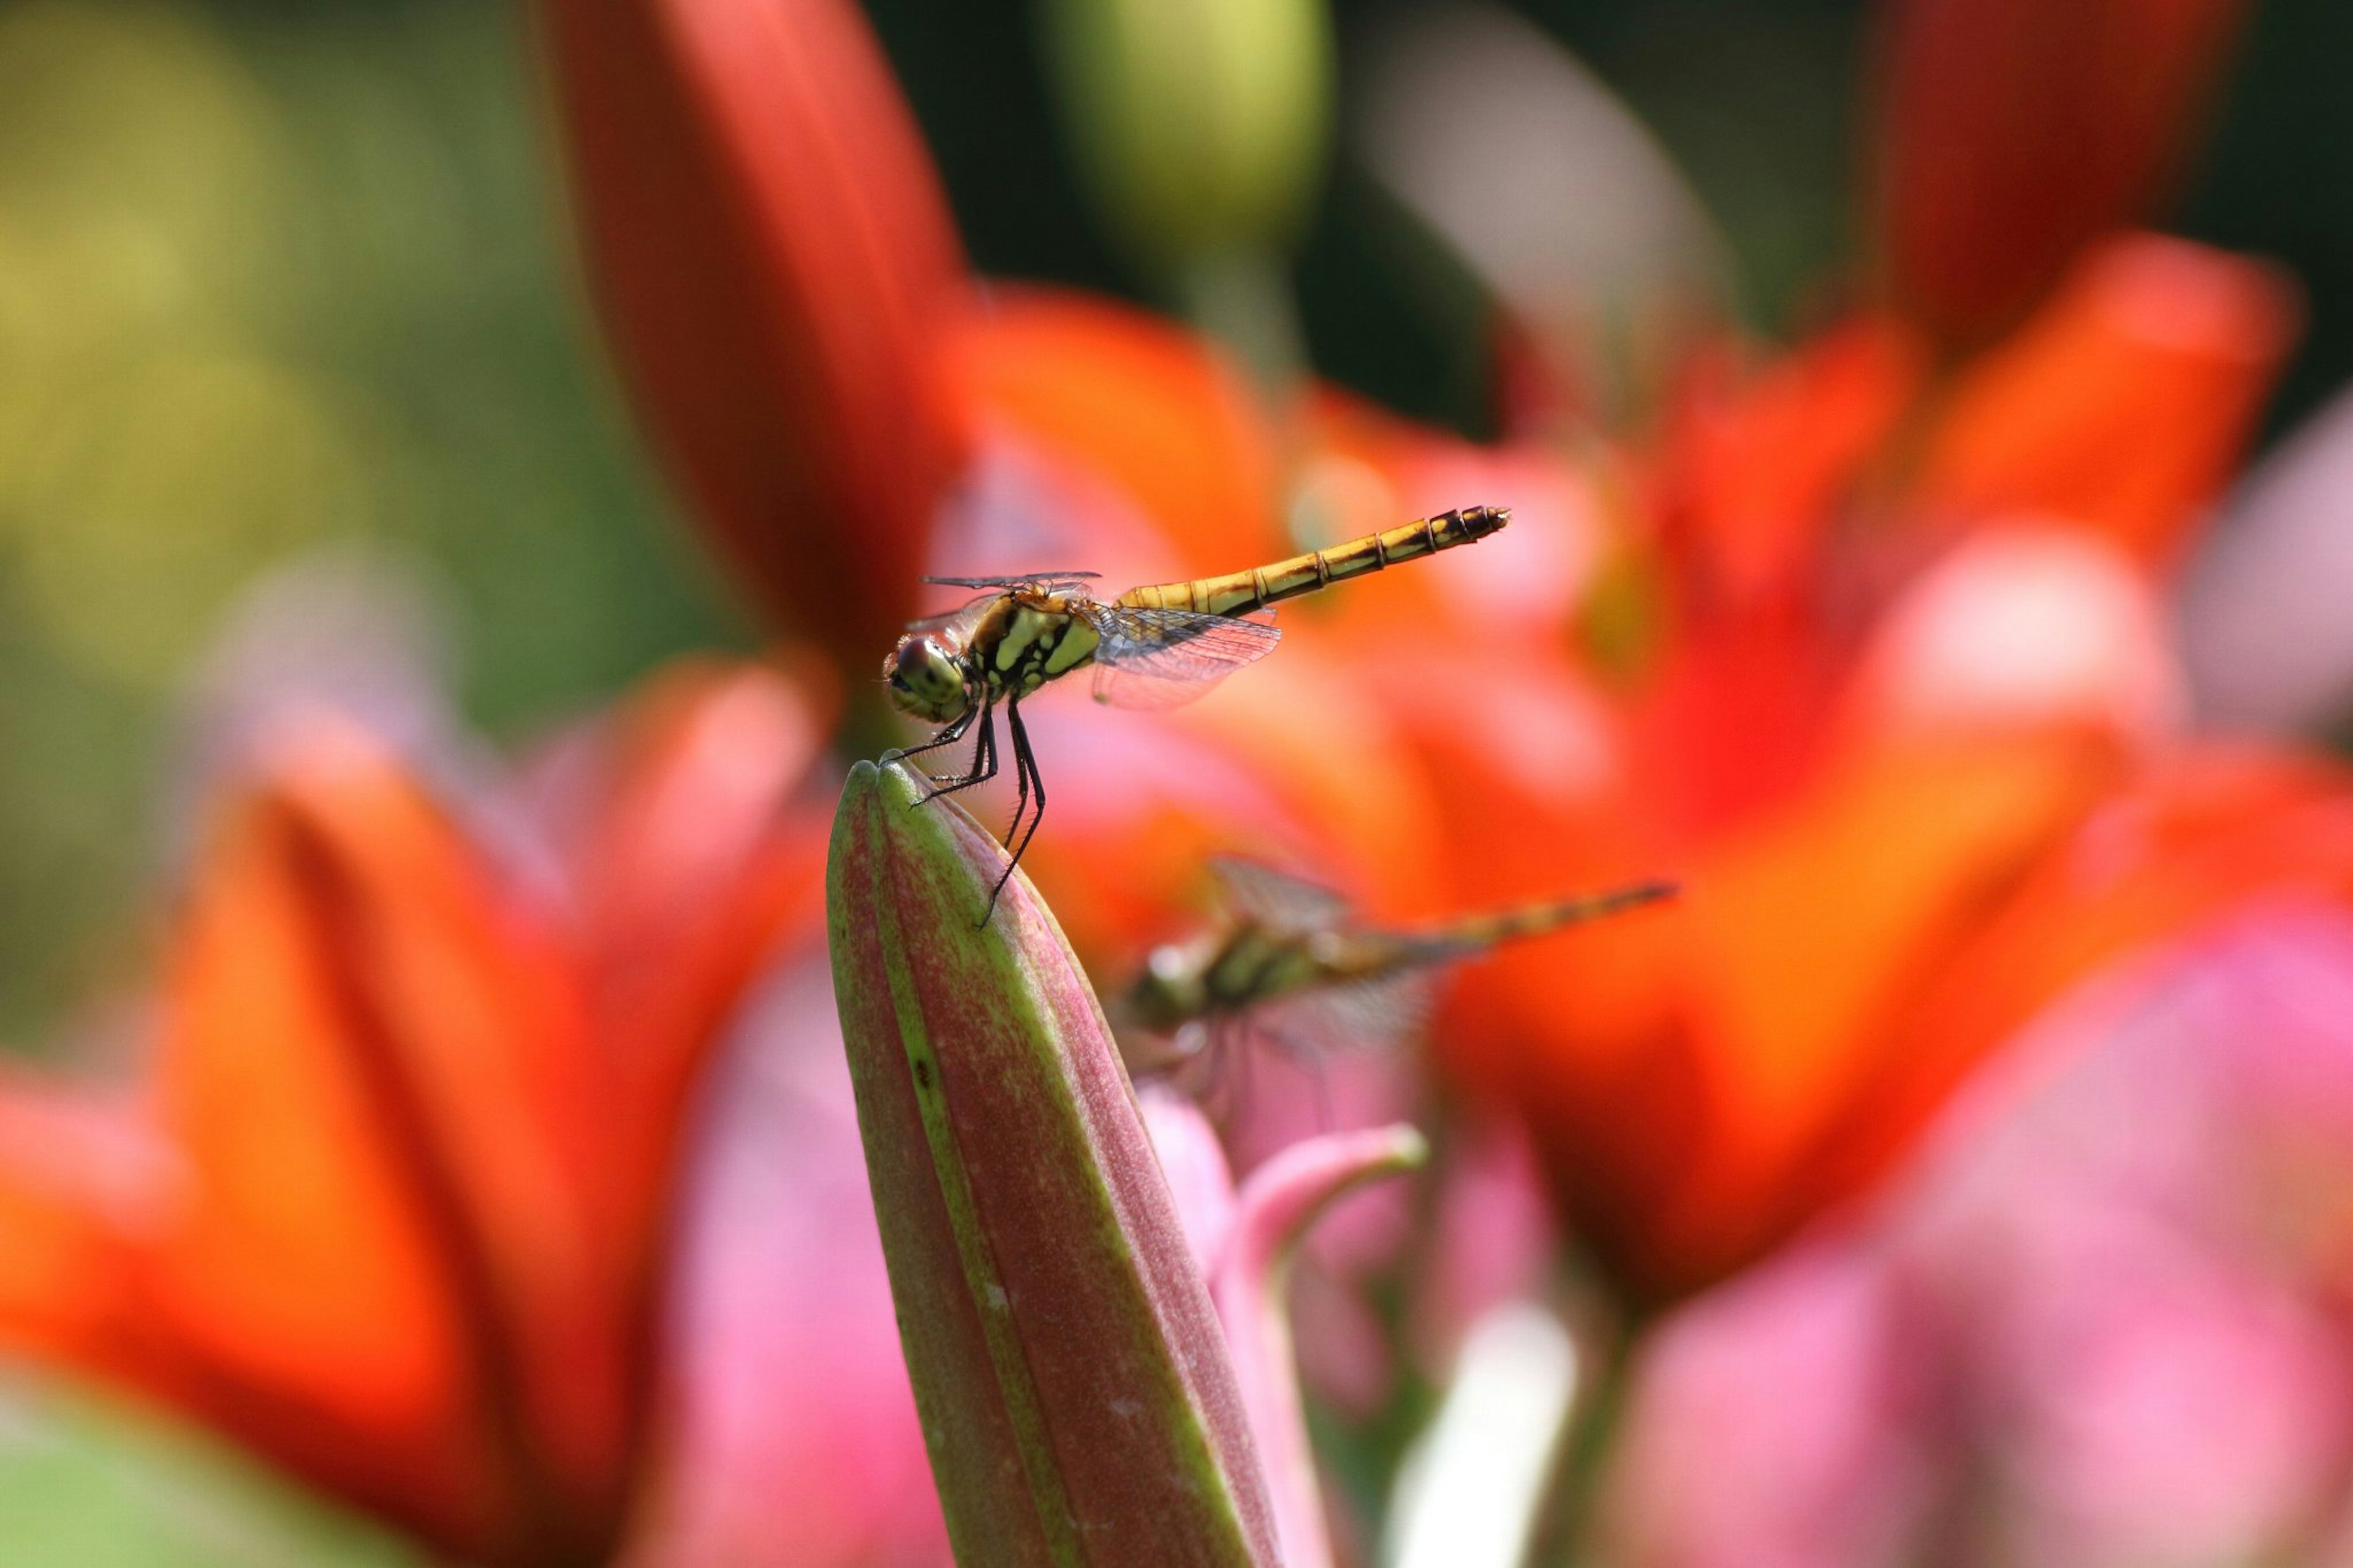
pixel 1049 579
pixel 1349 1018
pixel 966 614
pixel 1277 899
pixel 1165 657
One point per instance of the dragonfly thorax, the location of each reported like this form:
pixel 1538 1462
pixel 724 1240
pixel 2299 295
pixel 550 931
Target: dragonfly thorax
pixel 926 679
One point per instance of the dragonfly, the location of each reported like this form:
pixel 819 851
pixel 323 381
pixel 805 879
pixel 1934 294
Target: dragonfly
pixel 1152 647
pixel 1288 962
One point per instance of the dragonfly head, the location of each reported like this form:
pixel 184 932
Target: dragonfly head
pixel 926 680
pixel 1168 992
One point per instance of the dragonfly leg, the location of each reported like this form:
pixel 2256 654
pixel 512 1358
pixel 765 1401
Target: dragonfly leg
pixel 983 760
pixel 946 737
pixel 1310 1061
pixel 1025 768
pixel 1037 795
pixel 1022 764
pixel 1233 1047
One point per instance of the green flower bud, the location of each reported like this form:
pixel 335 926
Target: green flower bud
pixel 1075 1391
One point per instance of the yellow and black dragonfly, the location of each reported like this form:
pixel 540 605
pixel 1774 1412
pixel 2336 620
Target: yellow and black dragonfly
pixel 1154 647
pixel 1287 963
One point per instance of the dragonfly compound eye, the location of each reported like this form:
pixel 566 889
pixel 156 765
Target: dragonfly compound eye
pixel 926 681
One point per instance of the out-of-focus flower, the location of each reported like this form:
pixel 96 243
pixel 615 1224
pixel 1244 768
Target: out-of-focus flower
pixel 1584 228
pixel 1770 1426
pixel 1852 641
pixel 773 256
pixel 2104 1323
pixel 2263 623
pixel 2010 135
pixel 1852 702
pixel 1853 747
pixel 1243 1241
pixel 394 1207
pixel 795 1440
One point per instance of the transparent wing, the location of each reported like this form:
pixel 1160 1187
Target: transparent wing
pixel 1355 1015
pixel 1019 580
pixel 1278 900
pixel 1164 658
pixel 967 612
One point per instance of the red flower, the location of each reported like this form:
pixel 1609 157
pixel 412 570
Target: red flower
pixel 772 257
pixel 1856 757
pixel 1850 650
pixel 1855 642
pixel 2012 134
pixel 392 1208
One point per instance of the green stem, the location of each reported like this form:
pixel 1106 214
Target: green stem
pixel 1562 1536
pixel 1243 300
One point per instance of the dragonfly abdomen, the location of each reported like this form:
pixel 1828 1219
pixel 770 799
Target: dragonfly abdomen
pixel 1483 932
pixel 1240 593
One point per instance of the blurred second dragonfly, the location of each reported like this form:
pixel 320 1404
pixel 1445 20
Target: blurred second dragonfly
pixel 1287 965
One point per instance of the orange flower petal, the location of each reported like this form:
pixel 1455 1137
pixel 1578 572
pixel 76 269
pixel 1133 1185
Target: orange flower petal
pixel 1756 468
pixel 374 1074
pixel 2124 404
pixel 688 779
pixel 362 1242
pixel 396 1216
pixel 73 1169
pixel 773 256
pixel 1151 411
pixel 1815 934
pixel 2012 132
pixel 1693 1056
pixel 2212 832
pixel 695 861
pixel 1734 719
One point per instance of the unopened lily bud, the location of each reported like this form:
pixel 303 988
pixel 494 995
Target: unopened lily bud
pixel 2012 133
pixel 1076 1395
pixel 1201 124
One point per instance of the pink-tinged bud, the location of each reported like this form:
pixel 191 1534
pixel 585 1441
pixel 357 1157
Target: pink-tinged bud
pixel 1074 1387
pixel 771 255
pixel 1276 1204
pixel 2013 132
pixel 1244 1242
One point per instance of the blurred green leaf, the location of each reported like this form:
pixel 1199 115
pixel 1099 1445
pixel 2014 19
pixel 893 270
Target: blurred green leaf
pixel 94 1485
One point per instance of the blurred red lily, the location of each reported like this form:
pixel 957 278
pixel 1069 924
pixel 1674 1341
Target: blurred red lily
pixel 1872 645
pixel 1863 697
pixel 2010 135
pixel 2144 1212
pixel 1856 746
pixel 772 255
pixel 1855 642
pixel 393 1205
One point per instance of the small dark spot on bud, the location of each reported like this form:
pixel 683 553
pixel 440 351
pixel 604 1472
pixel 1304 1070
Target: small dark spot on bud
pixel 923 1074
